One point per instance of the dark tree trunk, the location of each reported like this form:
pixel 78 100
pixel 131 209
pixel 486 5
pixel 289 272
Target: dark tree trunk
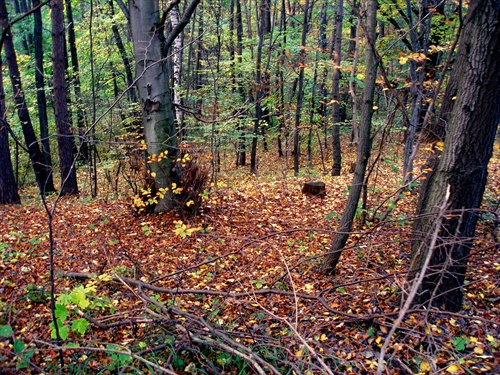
pixel 80 116
pixel 337 50
pixel 43 173
pixel 462 168
pixel 65 138
pixel 364 145
pixel 8 183
pixel 40 85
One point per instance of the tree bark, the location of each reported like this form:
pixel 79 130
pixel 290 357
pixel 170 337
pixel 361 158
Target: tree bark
pixel 40 85
pixel 154 93
pixel 8 183
pixel 178 42
pixel 463 164
pixel 300 91
pixel 43 173
pixel 364 145
pixel 80 115
pixel 65 138
pixel 337 50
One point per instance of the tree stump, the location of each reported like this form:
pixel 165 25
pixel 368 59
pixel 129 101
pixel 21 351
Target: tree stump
pixel 314 189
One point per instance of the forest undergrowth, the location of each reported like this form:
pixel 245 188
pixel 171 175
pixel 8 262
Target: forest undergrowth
pixel 236 290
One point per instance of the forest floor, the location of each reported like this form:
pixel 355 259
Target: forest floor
pixel 236 289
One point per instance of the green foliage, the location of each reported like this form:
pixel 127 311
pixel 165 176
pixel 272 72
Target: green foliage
pixel 460 343
pixel 6 331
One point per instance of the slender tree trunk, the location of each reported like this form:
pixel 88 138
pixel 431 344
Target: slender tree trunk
pixel 177 69
pixel 131 93
pixel 8 183
pixel 80 115
pixel 40 85
pixel 65 138
pixel 43 173
pixel 337 50
pixel 462 167
pixel 259 95
pixel 364 145
pixel 420 44
pixel 352 89
pixel 281 82
pixel 300 91
pixel 323 48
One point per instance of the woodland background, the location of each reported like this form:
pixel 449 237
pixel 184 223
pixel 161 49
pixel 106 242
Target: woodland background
pixel 157 213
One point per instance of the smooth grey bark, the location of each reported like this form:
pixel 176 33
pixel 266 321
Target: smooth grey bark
pixel 462 167
pixel 65 138
pixel 337 50
pixel 154 95
pixel 364 145
pixel 150 48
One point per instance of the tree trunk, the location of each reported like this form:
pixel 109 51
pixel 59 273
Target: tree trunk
pixel 8 183
pixel 131 94
pixel 462 167
pixel 65 139
pixel 80 115
pixel 420 44
pixel 300 91
pixel 43 173
pixel 364 145
pixel 154 93
pixel 337 49
pixel 178 42
pixel 40 85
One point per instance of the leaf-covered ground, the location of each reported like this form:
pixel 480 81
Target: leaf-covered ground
pixel 248 268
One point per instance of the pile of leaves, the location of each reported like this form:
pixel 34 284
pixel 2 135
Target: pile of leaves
pixel 236 289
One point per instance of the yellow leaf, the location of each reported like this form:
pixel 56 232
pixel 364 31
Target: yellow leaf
pixel 309 287
pixel 403 60
pixel 478 350
pixel 453 368
pixel 153 174
pixel 424 366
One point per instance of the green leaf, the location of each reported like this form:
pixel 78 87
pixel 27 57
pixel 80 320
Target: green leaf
pixel 64 299
pixel 61 312
pixel 63 330
pixel 331 215
pixel 79 297
pixel 18 346
pixel 371 332
pixel 79 325
pixel 25 360
pixel 6 331
pixel 459 343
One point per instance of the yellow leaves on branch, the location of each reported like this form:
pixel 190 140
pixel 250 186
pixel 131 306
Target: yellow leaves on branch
pixel 417 56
